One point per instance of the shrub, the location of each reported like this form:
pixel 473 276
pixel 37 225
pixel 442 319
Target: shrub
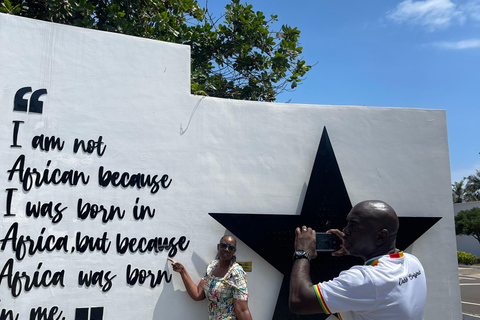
pixel 466 258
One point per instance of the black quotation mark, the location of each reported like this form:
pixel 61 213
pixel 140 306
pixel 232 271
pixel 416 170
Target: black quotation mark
pixel 96 313
pixel 33 105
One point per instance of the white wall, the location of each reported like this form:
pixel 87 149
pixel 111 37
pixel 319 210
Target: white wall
pixel 221 156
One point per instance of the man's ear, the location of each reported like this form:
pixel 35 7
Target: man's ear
pixel 382 236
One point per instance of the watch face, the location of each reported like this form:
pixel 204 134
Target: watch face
pixel 301 254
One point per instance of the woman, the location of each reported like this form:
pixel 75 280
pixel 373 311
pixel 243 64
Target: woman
pixel 224 284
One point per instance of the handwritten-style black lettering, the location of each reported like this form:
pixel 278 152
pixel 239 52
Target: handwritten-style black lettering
pixel 82 244
pixel 410 276
pixel 46 143
pixel 144 210
pixel 87 209
pixel 141 276
pixel 91 278
pixel 30 177
pixel 414 275
pixel 138 180
pixel 8 315
pixel 21 281
pixel 16 126
pixel 154 245
pixel 41 313
pixel 90 146
pixel 49 209
pixel 22 245
pixel 9 202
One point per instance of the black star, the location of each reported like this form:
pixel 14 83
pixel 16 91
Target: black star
pixel 326 206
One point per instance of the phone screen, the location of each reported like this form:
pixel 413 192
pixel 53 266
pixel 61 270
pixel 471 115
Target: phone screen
pixel 327 242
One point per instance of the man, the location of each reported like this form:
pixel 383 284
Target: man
pixel 390 285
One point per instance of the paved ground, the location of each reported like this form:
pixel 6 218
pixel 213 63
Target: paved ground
pixel 470 291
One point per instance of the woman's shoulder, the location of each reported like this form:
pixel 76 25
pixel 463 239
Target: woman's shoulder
pixel 211 266
pixel 237 269
pixel 213 263
pixel 237 265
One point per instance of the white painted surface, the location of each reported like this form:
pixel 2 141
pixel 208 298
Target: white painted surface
pixel 222 156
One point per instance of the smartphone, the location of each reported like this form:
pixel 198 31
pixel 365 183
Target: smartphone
pixel 327 242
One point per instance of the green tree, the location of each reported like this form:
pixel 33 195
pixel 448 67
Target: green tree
pixel 472 187
pixel 239 58
pixel 458 192
pixel 467 222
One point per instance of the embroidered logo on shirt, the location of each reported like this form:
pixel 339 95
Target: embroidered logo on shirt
pixel 411 276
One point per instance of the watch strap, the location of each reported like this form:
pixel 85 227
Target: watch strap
pixel 301 254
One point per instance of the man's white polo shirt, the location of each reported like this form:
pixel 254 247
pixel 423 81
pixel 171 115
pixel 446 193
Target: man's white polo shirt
pixel 387 287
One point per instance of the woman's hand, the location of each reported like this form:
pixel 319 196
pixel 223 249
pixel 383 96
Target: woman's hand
pixel 194 291
pixel 176 266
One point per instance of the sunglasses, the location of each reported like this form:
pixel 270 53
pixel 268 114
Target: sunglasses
pixel 229 247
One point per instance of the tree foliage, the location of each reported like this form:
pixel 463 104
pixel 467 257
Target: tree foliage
pixel 472 188
pixel 467 222
pixel 238 58
pixel 466 258
pixel 458 191
pixel 469 191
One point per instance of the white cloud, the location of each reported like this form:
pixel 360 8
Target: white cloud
pixel 432 14
pixel 472 9
pixel 458 45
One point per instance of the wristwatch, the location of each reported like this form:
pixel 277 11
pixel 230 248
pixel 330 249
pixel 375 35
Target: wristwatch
pixel 301 254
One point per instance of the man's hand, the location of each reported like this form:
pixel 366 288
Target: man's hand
pixel 302 298
pixel 305 239
pixel 342 250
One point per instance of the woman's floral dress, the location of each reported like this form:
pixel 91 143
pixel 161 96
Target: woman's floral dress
pixel 220 292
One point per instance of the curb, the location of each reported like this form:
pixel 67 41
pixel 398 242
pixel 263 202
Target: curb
pixel 467 266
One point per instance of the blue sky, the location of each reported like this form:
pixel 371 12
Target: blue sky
pixel 412 54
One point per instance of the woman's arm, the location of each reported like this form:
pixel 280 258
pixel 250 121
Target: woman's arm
pixel 241 309
pixel 194 291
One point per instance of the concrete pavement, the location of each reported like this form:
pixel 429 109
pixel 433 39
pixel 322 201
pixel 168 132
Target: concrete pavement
pixel 470 291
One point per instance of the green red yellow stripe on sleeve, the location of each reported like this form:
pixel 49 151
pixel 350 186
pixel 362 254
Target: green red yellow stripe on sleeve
pixel 316 288
pixel 395 255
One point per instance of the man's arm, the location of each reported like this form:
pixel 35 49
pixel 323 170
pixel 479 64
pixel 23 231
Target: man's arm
pixel 302 299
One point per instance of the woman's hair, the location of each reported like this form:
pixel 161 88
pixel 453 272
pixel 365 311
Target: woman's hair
pixel 234 257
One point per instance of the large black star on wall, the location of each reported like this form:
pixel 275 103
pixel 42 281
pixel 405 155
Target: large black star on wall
pixel 326 206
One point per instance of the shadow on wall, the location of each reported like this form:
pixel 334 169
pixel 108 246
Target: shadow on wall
pixel 183 307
